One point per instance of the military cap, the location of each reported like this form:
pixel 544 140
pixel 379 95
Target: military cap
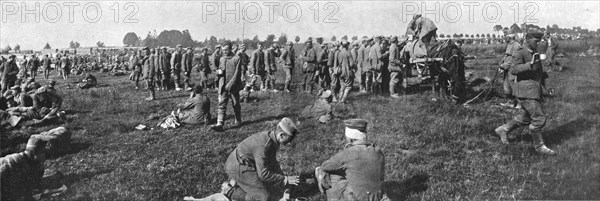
pixel 345 43
pixel 12 56
pixel 534 33
pixel 179 45
pixel 326 94
pixel 35 143
pixel 288 126
pixel 308 41
pixel 394 39
pixel 378 37
pixel 164 48
pixel 145 48
pixel 358 124
pixel 290 43
pixel 324 45
pixel 217 46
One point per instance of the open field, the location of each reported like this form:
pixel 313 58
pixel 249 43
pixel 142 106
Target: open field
pixel 434 150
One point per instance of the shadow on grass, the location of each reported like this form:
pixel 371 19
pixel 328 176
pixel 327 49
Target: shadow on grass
pixel 77 177
pixel 566 131
pixel 397 190
pixel 72 149
pixel 271 118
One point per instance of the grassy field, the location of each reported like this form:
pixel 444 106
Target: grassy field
pixel 434 150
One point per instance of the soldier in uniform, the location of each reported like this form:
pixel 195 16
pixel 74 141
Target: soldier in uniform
pixel 527 68
pixel 505 64
pixel 46 62
pixel 347 68
pixel 230 83
pixel 321 109
pixel 254 167
pixel 9 73
pixel 22 172
pixel 204 67
pixel 271 66
pixel 65 64
pixel 309 58
pixel 355 173
pixel 214 61
pixel 333 70
pixel 256 71
pixel 158 74
pixel 395 67
pixel 186 64
pixel 33 64
pixel 149 62
pixel 375 64
pixel 323 77
pixel 176 67
pixel 363 64
pixel 288 56
pixel 165 65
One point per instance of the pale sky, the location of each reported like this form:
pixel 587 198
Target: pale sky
pixel 360 18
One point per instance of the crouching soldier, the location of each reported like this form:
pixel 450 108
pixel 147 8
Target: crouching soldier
pixel 254 167
pixel 321 110
pixel 355 173
pixel 21 173
pixel 196 110
pixel 88 81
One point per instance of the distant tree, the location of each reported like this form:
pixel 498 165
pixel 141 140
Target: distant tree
pixel 212 42
pixel 477 35
pixel 487 36
pixel 131 39
pixel 461 35
pixel 282 39
pixel 150 41
pixel 100 44
pixel 345 37
pixel 455 35
pixel 74 44
pixel 6 49
pixel 320 40
pixel 497 28
pixel 17 48
pixel 354 38
pixel 297 39
pixel 442 36
pixel 333 38
pixel 186 39
pixel 47 46
pixel 493 35
pixel 270 40
pixel 516 27
pixel 473 36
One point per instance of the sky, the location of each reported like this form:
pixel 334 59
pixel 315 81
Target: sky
pixel 87 22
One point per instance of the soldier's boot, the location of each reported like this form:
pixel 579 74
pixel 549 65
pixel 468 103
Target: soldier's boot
pixel 286 88
pixel 502 131
pixel 152 96
pixel 178 86
pixel 538 143
pixel 220 120
pixel 237 111
pixel 186 86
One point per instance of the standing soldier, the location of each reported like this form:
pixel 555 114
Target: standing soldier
pixel 395 67
pixel 135 63
pixel 33 65
pixel 309 59
pixel 9 73
pixel 354 53
pixel 355 173
pixel 346 65
pixel 361 63
pixel 214 62
pixel 527 67
pixel 176 67
pixel 64 66
pixel 149 62
pixel 375 64
pixel 271 66
pixel 323 79
pixel 229 76
pixel 288 56
pixel 505 64
pixel 256 70
pixel 203 67
pixel 46 62
pixel 165 65
pixel 158 66
pixel 241 52
pixel 334 71
pixel 186 64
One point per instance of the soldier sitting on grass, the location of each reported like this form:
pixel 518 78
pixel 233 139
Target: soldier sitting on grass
pixel 22 172
pixel 88 81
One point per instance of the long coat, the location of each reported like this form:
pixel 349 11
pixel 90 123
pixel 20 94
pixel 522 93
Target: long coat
pixel 529 76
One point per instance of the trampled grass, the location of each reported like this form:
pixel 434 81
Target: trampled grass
pixel 434 150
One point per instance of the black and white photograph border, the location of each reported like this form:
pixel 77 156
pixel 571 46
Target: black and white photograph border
pixel 299 100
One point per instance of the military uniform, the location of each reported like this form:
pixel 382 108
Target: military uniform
pixel 195 110
pixel 323 78
pixel 204 68
pixel 309 57
pixel 150 67
pixel 334 85
pixel 345 64
pixel 271 67
pixel 164 61
pixel 375 65
pixel 46 62
pixel 356 173
pixel 230 84
pixel 288 56
pixel 253 165
pixel 9 75
pixel 176 68
pixel 186 65
pixel 505 65
pixel 395 68
pixel 20 175
pixel 33 65
pixel 214 62
pixel 528 90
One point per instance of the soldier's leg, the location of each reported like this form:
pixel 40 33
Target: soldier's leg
pixel 521 119
pixel 288 78
pixel 311 81
pixel 394 80
pixel 203 79
pixel 222 107
pixel 338 187
pixel 150 85
pixel 347 86
pixel 272 80
pixel 538 121
pixel 237 108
